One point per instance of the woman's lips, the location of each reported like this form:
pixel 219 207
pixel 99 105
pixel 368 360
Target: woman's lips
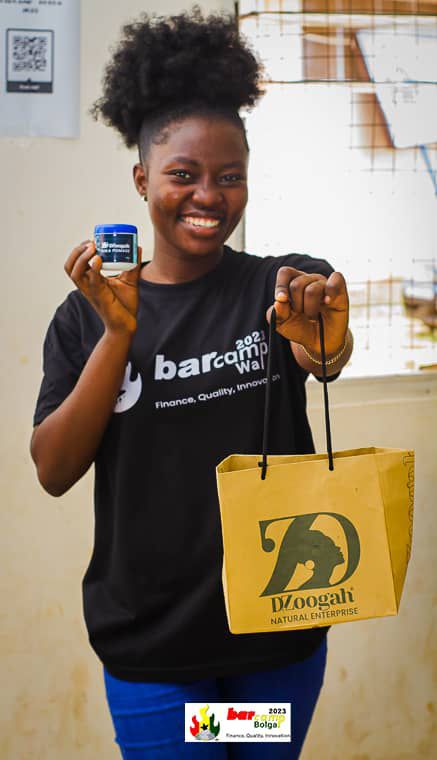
pixel 197 225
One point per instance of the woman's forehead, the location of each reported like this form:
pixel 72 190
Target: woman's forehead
pixel 201 139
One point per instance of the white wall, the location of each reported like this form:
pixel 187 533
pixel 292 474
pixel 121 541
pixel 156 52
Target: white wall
pixel 52 700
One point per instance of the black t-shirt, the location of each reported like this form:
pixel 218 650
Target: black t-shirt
pixel 191 395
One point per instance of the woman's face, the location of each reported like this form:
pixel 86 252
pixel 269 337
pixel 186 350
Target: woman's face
pixel 196 184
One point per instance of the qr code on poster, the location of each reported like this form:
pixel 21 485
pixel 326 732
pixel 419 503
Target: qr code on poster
pixel 29 52
pixel 30 60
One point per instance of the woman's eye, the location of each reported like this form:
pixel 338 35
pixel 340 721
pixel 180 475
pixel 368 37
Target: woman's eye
pixel 181 173
pixel 232 177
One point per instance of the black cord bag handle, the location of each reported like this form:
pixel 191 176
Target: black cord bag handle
pixel 267 405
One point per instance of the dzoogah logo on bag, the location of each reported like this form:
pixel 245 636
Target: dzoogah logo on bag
pixel 309 558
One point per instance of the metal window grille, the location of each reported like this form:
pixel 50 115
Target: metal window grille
pixel 344 160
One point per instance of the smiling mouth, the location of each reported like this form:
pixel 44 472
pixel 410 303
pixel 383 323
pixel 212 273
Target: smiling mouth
pixel 203 223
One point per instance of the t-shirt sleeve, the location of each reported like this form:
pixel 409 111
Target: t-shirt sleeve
pixel 307 264
pixel 63 360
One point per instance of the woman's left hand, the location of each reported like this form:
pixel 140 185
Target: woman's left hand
pixel 299 297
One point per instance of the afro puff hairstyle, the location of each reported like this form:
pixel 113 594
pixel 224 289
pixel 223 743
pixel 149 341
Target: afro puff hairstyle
pixel 166 69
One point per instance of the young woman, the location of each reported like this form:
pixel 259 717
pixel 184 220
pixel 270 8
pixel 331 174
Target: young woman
pixel 151 376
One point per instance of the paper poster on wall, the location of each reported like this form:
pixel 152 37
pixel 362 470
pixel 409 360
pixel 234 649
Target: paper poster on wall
pixel 39 68
pixel 402 61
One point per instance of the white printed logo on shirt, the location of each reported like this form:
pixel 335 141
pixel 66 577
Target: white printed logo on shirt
pixel 129 392
pixel 246 356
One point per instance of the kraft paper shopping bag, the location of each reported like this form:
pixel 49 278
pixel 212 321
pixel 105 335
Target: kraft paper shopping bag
pixel 312 540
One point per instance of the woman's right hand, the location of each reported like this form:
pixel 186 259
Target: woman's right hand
pixel 115 298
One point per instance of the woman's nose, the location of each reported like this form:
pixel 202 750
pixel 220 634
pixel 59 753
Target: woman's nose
pixel 207 192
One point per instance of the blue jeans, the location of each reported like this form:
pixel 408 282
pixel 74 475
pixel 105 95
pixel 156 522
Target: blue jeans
pixel 149 717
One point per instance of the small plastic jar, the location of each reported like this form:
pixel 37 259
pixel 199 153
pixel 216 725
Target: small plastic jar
pixel 117 244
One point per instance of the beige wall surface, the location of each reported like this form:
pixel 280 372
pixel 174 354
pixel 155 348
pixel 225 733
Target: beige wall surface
pixel 379 697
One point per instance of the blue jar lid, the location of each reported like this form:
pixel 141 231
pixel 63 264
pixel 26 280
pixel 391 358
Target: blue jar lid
pixel 108 228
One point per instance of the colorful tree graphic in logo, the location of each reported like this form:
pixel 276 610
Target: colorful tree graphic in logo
pixel 205 730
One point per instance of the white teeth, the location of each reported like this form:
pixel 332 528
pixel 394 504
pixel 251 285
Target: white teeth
pixel 196 222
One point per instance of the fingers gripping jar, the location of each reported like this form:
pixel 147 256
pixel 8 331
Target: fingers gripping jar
pixel 117 244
